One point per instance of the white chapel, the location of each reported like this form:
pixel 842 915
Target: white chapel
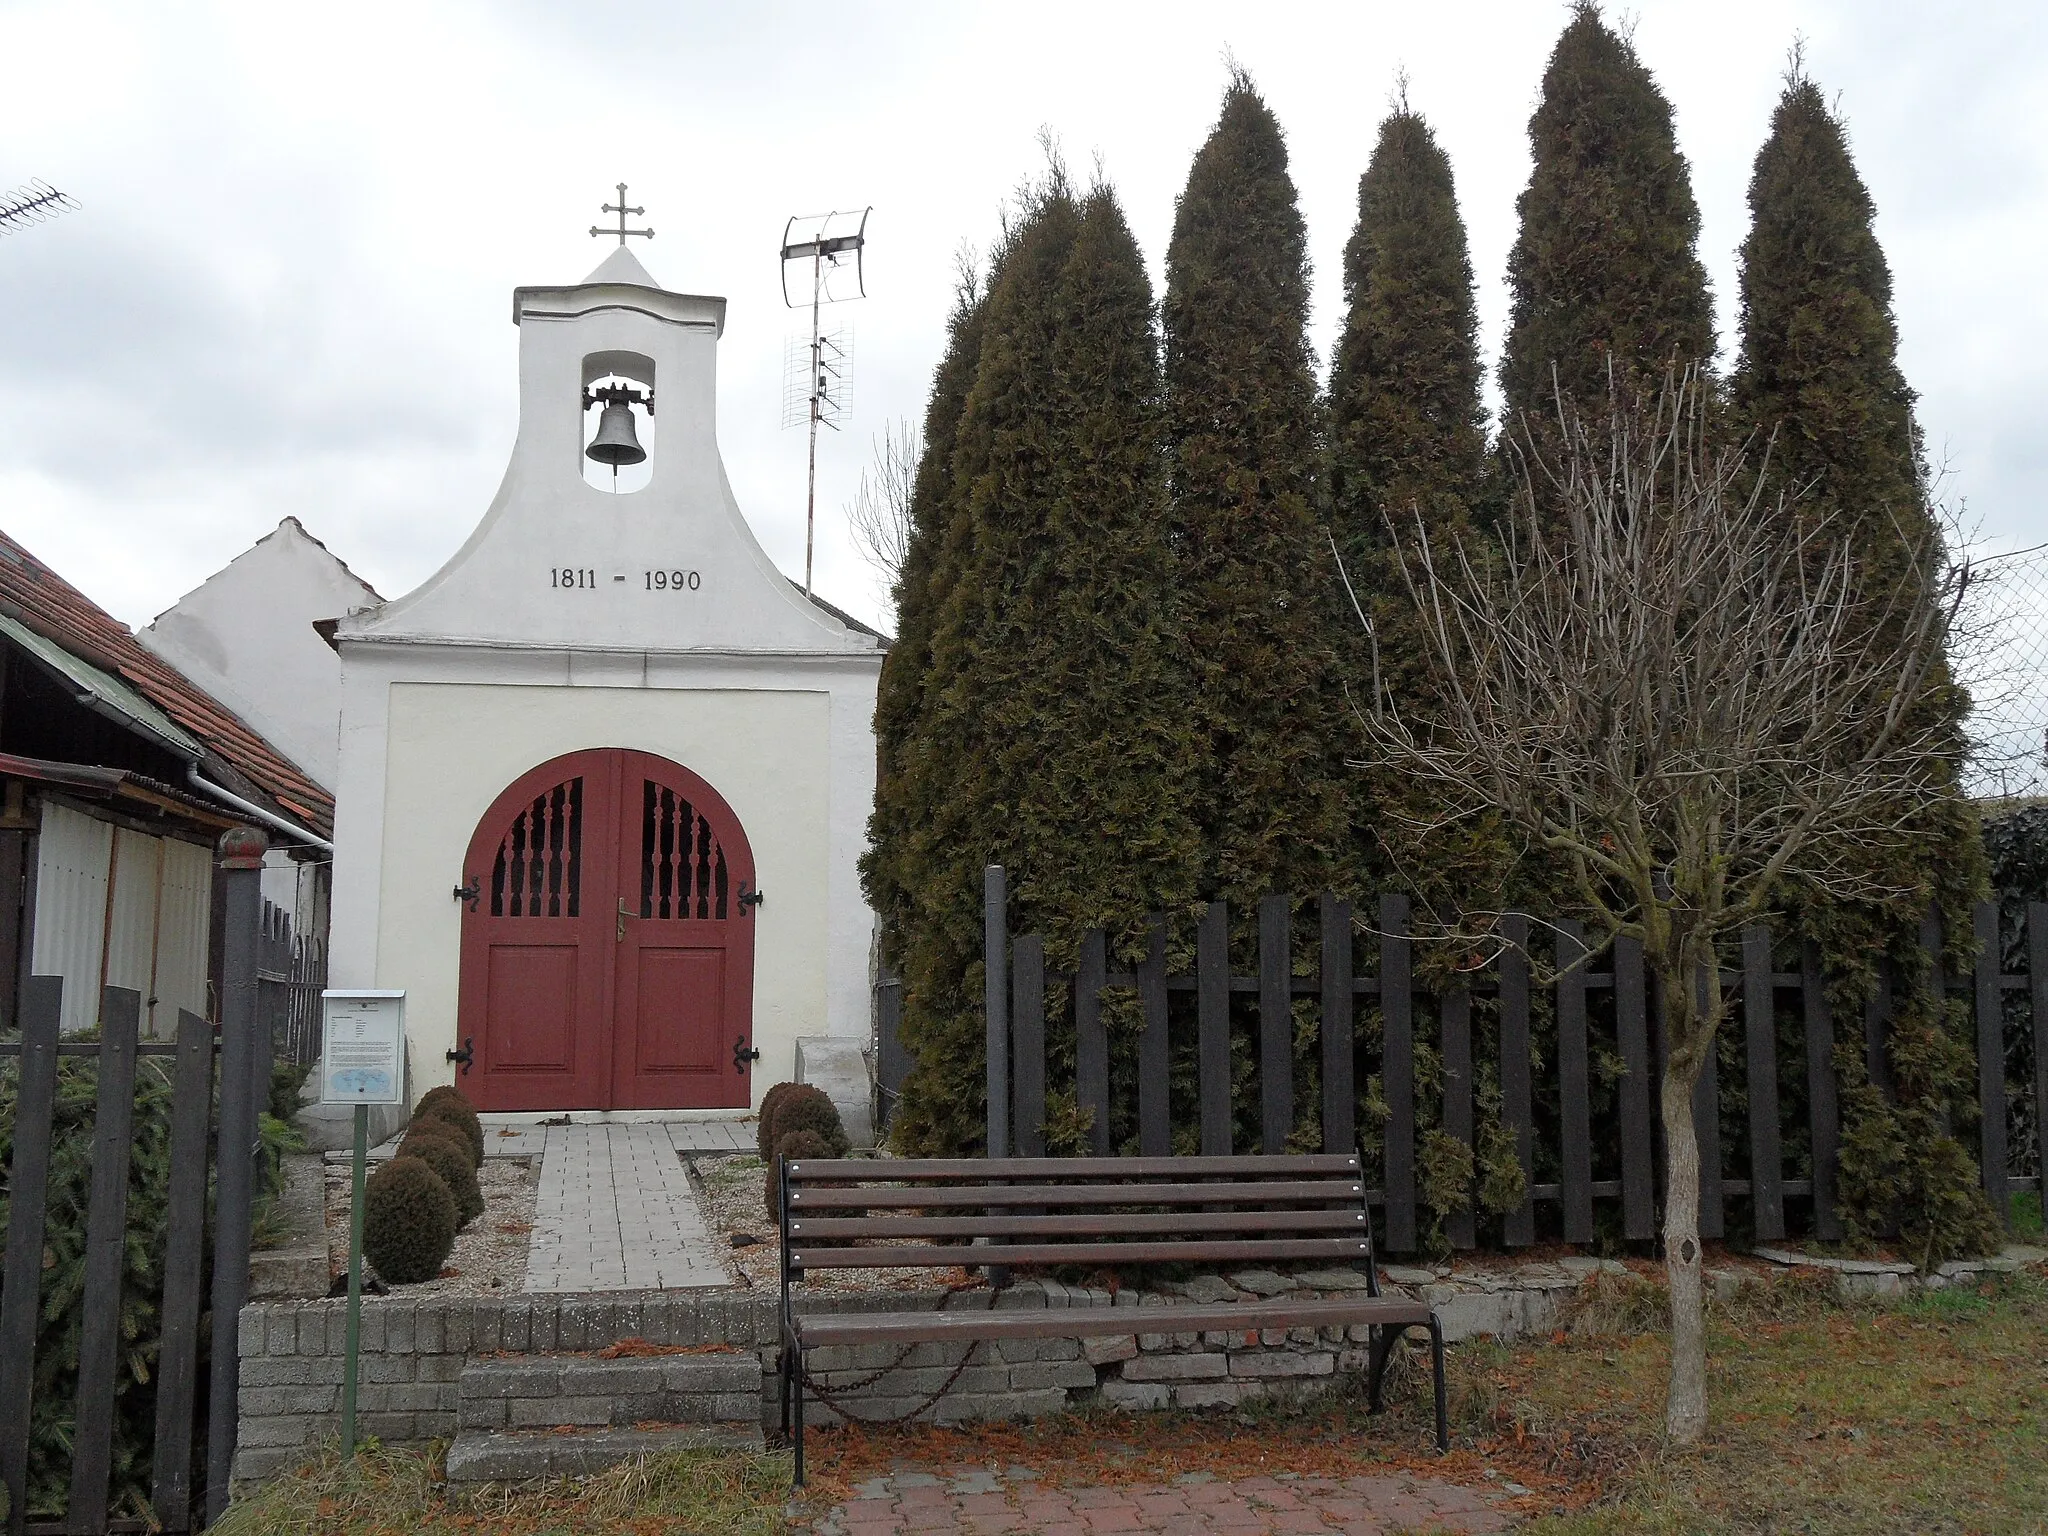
pixel 604 778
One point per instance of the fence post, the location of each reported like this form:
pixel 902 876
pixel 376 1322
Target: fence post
pixel 1155 1129
pixel 1632 1036
pixel 995 995
pixel 1575 1120
pixel 1027 1018
pixel 2037 991
pixel 1276 1023
pixel 1397 1019
pixel 1091 1041
pixel 1991 1059
pixel 106 1249
pixel 1212 1026
pixel 1340 1094
pixel 1823 1107
pixel 1760 1027
pixel 1516 1088
pixel 241 862
pixel 42 1009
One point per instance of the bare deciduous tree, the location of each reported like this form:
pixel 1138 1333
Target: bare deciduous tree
pixel 1684 696
pixel 880 510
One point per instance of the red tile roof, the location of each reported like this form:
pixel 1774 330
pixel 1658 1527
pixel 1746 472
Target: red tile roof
pixel 45 602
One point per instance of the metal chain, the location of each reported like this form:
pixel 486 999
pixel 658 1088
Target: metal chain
pixel 903 1354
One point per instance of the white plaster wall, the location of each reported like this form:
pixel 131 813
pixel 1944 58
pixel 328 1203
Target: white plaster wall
pixel 454 746
pixel 245 635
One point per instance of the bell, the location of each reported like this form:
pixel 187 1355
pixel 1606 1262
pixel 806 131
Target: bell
pixel 616 442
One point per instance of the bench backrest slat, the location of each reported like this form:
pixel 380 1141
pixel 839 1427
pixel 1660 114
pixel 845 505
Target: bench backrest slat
pixel 988 1169
pixel 808 1229
pixel 811 1196
pixel 1336 1250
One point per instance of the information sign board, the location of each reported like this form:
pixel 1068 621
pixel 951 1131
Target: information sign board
pixel 362 1047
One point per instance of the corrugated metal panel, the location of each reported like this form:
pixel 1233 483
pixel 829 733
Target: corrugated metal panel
pixel 132 934
pixel 71 908
pixel 181 933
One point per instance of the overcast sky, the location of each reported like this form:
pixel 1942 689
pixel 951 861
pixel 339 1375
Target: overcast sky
pixel 288 286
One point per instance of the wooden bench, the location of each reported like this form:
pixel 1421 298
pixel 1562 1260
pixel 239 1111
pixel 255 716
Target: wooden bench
pixel 1087 1213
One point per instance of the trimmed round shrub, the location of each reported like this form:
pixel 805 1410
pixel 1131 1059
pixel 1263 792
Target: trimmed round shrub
pixel 793 1145
pixel 764 1132
pixel 409 1221
pixel 441 1147
pixel 447 1105
pixel 807 1109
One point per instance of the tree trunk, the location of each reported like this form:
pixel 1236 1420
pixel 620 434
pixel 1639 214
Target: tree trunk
pixel 1692 1010
pixel 1685 1410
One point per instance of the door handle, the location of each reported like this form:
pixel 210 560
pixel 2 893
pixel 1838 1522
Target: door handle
pixel 623 915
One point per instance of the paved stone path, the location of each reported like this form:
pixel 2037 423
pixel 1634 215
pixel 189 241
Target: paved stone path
pixel 615 1212
pixel 977 1500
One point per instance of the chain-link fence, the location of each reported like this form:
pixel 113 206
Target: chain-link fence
pixel 2001 655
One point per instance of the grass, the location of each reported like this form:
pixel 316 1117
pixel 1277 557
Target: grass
pixel 400 1493
pixel 1927 1415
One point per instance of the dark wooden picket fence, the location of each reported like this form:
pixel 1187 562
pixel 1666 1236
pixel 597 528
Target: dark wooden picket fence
pixel 1017 980
pixel 291 971
pixel 210 1143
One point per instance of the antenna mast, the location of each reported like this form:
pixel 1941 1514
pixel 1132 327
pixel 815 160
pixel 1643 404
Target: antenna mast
pixel 826 243
pixel 35 203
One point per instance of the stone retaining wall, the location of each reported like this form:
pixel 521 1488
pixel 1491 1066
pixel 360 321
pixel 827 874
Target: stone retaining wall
pixel 414 1351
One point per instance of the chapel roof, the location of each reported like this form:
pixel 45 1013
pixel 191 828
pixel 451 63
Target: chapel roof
pixel 40 600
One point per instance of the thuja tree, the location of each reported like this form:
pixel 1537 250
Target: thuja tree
pixel 1407 440
pixel 1678 687
pixel 1818 376
pixel 1242 415
pixel 922 585
pixel 1604 271
pixel 1053 725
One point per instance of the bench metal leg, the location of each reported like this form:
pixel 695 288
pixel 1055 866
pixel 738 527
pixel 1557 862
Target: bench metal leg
pixel 796 1387
pixel 1381 1345
pixel 782 1386
pixel 1443 1411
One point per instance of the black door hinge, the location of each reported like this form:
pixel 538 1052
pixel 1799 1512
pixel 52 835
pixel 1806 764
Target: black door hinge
pixel 466 1056
pixel 470 892
pixel 750 898
pixel 742 1054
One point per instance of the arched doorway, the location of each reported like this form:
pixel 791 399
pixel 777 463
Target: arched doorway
pixel 608 948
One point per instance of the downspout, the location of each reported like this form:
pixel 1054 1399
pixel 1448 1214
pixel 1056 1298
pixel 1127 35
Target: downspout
pixel 250 808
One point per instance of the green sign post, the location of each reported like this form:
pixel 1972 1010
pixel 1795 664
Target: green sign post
pixel 362 1062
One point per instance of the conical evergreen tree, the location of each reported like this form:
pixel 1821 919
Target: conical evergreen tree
pixel 922 586
pixel 1818 380
pixel 1407 441
pixel 1053 725
pixel 1243 428
pixel 1605 268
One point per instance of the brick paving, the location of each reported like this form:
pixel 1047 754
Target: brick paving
pixel 976 1501
pixel 615 1212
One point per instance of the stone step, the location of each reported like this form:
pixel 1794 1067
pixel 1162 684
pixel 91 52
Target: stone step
pixel 517 1392
pixel 517 1456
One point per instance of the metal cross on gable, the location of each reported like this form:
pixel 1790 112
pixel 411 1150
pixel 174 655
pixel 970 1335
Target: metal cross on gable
pixel 621 210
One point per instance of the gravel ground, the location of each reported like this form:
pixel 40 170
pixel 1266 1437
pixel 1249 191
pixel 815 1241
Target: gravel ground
pixel 733 1206
pixel 489 1257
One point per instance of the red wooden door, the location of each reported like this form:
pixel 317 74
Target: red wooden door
pixel 607 958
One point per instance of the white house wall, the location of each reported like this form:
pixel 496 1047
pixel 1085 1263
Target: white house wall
pixel 181 933
pixel 246 636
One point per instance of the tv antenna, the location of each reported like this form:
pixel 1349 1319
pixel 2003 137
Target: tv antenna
pixel 36 203
pixel 831 245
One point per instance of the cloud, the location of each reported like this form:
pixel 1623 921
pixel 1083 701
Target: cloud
pixel 288 287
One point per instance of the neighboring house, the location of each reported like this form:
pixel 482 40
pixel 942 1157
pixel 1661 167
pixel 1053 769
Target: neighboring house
pixel 246 636
pixel 117 773
pixel 605 776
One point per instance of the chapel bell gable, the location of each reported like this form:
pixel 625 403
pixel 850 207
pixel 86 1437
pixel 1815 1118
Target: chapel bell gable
pixel 615 528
